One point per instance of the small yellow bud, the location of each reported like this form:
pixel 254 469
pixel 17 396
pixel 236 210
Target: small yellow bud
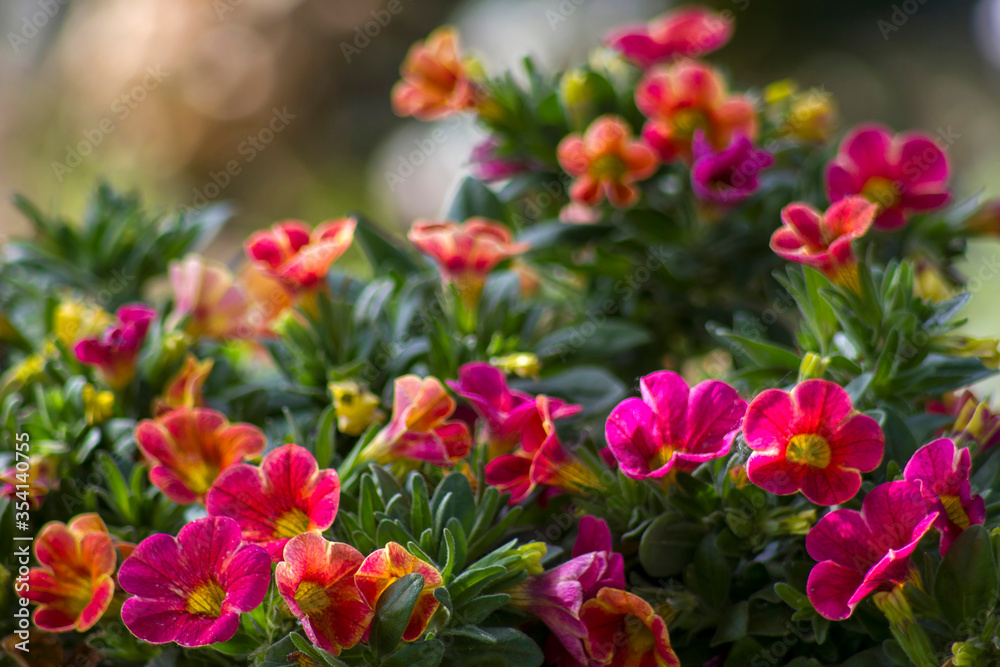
pixel 74 320
pixel 779 91
pixel 521 364
pixel 356 407
pixel 98 406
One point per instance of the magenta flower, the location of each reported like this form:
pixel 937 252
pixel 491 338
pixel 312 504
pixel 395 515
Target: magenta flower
pixel 191 589
pixel 488 166
pixel 810 440
pixel 867 551
pixel 286 496
pixel 902 174
pixel 690 32
pixel 673 427
pixel 115 352
pixel 728 176
pixel 941 471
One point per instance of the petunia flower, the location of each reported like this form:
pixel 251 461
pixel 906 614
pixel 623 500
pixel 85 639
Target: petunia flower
pixel 41 477
pixel 191 589
pixel 690 32
pixel 115 351
pixel 75 584
pixel 975 421
pixel 386 565
pixel 207 298
pixel 685 97
pixel 284 497
pixel 673 427
pixel 810 440
pixel 606 162
pixel 728 176
pixel 435 82
pixel 503 410
pixel 489 166
pixel 903 174
pixel 183 389
pixel 465 253
pixel 419 428
pixel 623 629
pixel 73 320
pixel 867 551
pixel 941 471
pixel 823 240
pixel 190 447
pixel 297 257
pixel 316 579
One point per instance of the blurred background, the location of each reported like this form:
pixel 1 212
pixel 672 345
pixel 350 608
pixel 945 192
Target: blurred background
pixel 282 106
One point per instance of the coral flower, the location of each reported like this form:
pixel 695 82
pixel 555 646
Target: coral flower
pixel 383 567
pixel 74 585
pixel 823 240
pixel 942 473
pixel 673 427
pixel 465 253
pixel 191 589
pixel 903 174
pixel 183 389
pixel 41 477
pixel 419 429
pixel 623 630
pixel 810 440
pixel 867 551
pixel 190 447
pixel 690 32
pixel 316 579
pixel 728 176
pixel 435 82
pixel 606 162
pixel 297 257
pixel 115 351
pixel 680 99
pixel 206 297
pixel 503 410
pixel 286 496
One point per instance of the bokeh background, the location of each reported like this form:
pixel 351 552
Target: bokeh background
pixel 163 95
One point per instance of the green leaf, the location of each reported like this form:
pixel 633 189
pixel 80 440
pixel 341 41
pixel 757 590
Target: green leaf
pixel 393 611
pixel 474 199
pixel 326 437
pixel 966 581
pixel 792 597
pixel 478 609
pixel 765 355
pixel 709 574
pixel 512 647
pixel 733 625
pixel 668 546
pixel 420 654
pixel 462 504
pixel 382 253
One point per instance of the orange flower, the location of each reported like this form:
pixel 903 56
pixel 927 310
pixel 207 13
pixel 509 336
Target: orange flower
pixel 183 389
pixel 606 161
pixel 74 585
pixel 381 568
pixel 624 630
pixel 435 83
pixel 688 96
pixel 207 297
pixel 297 257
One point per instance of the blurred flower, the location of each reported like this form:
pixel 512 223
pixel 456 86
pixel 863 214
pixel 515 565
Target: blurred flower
pixel 521 364
pixel 98 406
pixel 114 353
pixel 41 476
pixel 297 257
pixel 867 551
pixel 606 162
pixel 191 589
pixel 623 629
pixel 728 176
pixel 419 429
pixel 673 427
pixel 435 83
pixel 986 220
pixel 489 166
pixel 183 389
pixel 316 579
pixel 383 567
pixel 269 300
pixel 812 116
pixel 986 350
pixel 941 472
pixel 189 447
pixel 73 320
pixel 929 282
pixel 823 240
pixel 284 497
pixel 465 253
pixel 356 407
pixel 974 420
pixel 902 174
pixel 207 298
pixel 810 440
pixel 688 96
pixel 575 213
pixel 690 32
pixel 74 585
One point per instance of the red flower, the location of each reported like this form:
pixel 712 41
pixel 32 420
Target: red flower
pixel 606 162
pixel 690 32
pixel 624 631
pixel 383 567
pixel 296 257
pixel 435 82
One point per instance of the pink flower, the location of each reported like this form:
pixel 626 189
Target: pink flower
pixel 286 496
pixel 690 32
pixel 41 477
pixel 435 82
pixel 673 427
pixel 941 472
pixel 488 166
pixel 191 589
pixel 867 551
pixel 728 176
pixel 810 440
pixel 297 257
pixel 115 352
pixel 902 174
pixel 207 297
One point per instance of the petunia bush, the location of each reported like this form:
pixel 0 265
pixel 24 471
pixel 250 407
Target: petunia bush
pixel 677 378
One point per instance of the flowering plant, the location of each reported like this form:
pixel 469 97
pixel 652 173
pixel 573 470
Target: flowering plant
pixel 705 402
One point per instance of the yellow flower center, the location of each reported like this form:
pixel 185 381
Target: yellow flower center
pixel 956 513
pixel 640 638
pixel 607 167
pixel 293 522
pixel 311 598
pixel 684 123
pixel 881 191
pixel 200 476
pixel 206 599
pixel 660 458
pixel 810 449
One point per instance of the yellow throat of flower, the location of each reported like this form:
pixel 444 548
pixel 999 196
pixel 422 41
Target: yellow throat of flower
pixel 311 598
pixel 810 449
pixel 291 523
pixel 206 599
pixel 881 191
